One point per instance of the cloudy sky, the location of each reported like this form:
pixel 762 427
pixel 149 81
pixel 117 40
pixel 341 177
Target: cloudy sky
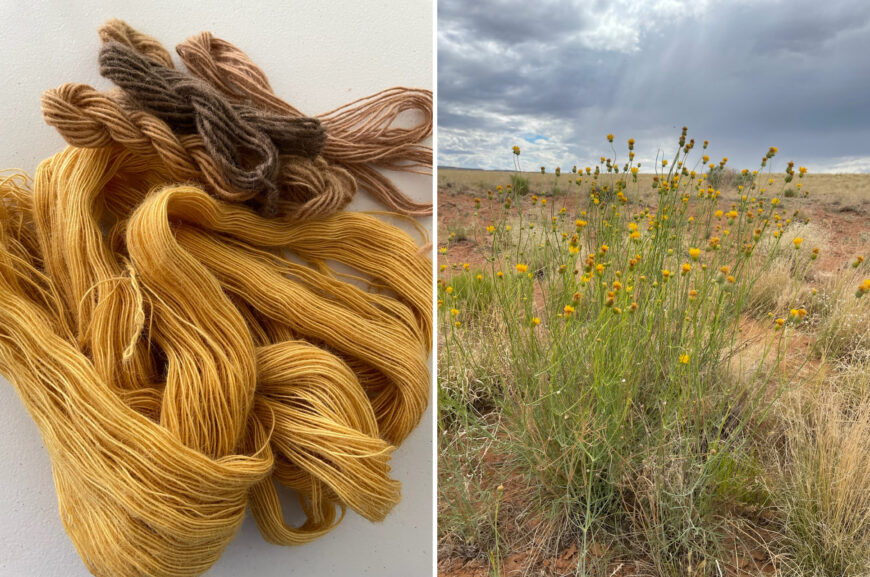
pixel 555 77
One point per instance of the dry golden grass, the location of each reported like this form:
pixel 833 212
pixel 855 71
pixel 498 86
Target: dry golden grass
pixel 839 191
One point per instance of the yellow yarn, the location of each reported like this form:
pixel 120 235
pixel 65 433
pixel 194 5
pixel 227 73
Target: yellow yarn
pixel 179 361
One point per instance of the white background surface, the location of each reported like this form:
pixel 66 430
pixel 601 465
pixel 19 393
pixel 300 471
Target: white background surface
pixel 318 55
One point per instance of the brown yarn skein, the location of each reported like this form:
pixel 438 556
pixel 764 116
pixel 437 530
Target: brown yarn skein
pixel 88 118
pixel 244 142
pixel 360 135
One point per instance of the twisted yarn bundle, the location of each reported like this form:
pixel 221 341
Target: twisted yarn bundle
pixel 179 361
pixel 361 137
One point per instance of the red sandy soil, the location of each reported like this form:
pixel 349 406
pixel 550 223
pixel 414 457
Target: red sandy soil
pixel 846 225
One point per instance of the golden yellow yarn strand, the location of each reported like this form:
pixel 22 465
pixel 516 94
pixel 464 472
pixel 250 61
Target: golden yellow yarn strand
pixel 181 363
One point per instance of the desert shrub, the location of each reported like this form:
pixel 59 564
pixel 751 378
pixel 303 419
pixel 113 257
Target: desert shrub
pixel 618 325
pixel 519 184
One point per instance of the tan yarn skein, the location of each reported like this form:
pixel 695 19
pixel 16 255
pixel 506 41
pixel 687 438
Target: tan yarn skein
pixel 87 118
pixel 360 135
pixel 180 365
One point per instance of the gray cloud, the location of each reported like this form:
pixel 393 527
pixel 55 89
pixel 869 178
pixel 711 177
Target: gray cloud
pixel 745 74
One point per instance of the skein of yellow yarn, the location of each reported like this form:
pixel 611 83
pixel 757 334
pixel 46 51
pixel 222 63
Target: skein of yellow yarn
pixel 183 357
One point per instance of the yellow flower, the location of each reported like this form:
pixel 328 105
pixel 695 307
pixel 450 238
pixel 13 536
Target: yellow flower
pixel 797 242
pixel 522 268
pixel 490 229
pixel 480 277
pixel 685 269
pixel 517 150
pixel 609 138
pixel 779 322
pixel 454 312
pixel 635 235
pixel 666 274
pixel 694 253
pixel 797 314
pixel 573 249
pixel 535 321
pixel 499 274
pixel 684 359
pixel 569 310
pixel 693 294
pixel 863 288
pixel 449 290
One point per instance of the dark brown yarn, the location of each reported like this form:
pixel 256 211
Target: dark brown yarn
pixel 243 141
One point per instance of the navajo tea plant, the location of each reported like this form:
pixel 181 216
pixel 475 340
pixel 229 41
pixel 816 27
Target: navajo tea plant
pixel 596 355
